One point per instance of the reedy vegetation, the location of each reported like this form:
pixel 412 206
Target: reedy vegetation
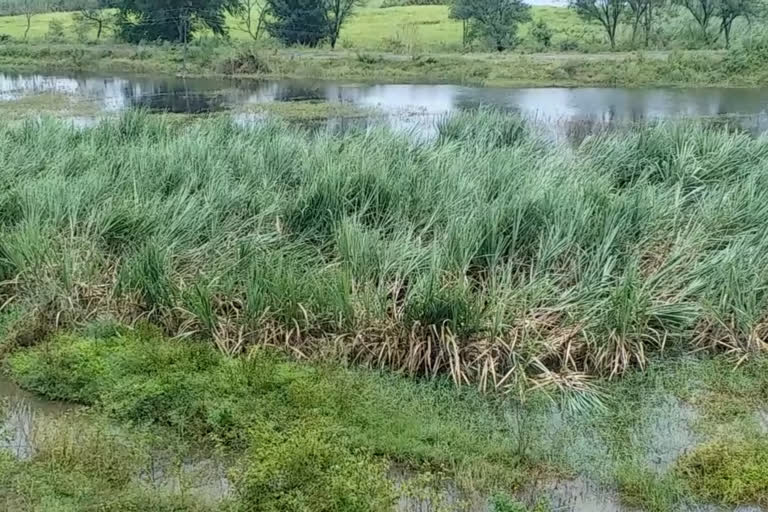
pixel 489 253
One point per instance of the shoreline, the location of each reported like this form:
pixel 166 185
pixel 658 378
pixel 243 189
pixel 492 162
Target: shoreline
pixel 632 70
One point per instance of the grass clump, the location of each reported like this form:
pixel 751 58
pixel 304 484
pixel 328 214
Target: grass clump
pixel 728 471
pixel 486 254
pixel 645 489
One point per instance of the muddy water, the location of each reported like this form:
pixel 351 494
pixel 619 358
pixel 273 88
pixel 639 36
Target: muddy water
pixel 202 476
pixel 22 412
pixel 671 434
pixel 18 415
pixel 404 106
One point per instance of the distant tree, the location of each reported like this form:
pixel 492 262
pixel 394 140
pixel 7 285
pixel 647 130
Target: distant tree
pixel 91 13
pixel 297 22
pixel 729 10
pixel 245 15
pixel 703 11
pixel 29 8
pixel 648 19
pixel 96 17
pixel 606 12
pixel 335 13
pixel 26 7
pixel 541 32
pixel 309 22
pixel 637 12
pixel 496 21
pixel 171 20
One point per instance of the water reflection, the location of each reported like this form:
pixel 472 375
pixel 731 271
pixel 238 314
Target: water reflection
pixel 404 106
pixel 19 411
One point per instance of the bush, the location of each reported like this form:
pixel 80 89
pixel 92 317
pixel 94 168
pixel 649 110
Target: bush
pixel 245 61
pixel 55 31
pixel 367 58
pixel 751 54
pixel 541 33
pixel 569 45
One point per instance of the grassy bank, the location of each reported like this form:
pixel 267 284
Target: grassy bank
pixel 736 68
pixel 412 44
pixel 488 254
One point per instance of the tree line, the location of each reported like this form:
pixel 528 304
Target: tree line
pixel 305 22
pixel 641 16
pixel 313 22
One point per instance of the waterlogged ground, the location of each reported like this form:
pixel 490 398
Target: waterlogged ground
pixel 124 418
pixel 140 421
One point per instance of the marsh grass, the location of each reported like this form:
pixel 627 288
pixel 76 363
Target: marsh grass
pixel 487 254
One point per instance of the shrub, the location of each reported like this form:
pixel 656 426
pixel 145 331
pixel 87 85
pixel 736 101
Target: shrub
pixel 541 33
pixel 731 472
pixel 307 469
pixel 750 54
pixel 55 31
pixel 367 58
pixel 245 61
pixel 569 45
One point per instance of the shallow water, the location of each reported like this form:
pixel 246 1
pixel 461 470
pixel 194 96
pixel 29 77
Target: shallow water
pixel 22 412
pixel 671 434
pixel 203 476
pixel 404 106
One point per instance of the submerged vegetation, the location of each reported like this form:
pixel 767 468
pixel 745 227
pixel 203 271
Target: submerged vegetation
pixel 487 254
pixel 322 437
pixel 312 438
pixel 47 104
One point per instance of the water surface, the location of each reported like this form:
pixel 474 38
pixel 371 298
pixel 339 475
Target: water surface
pixel 402 105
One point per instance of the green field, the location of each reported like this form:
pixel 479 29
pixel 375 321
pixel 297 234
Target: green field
pixel 413 28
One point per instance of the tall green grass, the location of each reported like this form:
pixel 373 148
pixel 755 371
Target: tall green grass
pixel 487 254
